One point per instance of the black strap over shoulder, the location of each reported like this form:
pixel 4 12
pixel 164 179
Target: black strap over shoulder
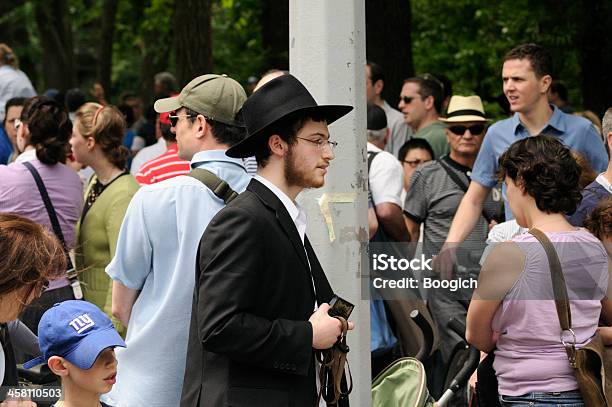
pixel 50 210
pixel 219 187
pixel 462 185
pixel 371 156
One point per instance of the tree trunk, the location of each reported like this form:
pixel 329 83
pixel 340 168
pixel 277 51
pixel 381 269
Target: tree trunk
pixel 192 39
pixel 388 43
pixel 56 43
pixel 275 33
pixel 154 60
pixel 105 47
pixel 594 40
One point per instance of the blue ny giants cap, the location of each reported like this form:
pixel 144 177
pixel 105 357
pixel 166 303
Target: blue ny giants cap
pixel 78 331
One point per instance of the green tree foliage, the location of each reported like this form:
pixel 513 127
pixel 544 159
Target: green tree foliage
pixel 237 45
pixel 467 39
pixel 462 39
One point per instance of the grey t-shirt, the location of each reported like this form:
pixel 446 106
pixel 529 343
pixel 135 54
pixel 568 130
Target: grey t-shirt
pixel 433 200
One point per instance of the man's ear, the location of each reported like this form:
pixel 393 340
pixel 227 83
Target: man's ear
pixel 277 145
pixel 429 102
pixel 202 125
pixel 545 82
pixel 378 86
pixel 58 366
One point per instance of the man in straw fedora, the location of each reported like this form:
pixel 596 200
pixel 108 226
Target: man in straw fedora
pixel 260 301
pixel 437 188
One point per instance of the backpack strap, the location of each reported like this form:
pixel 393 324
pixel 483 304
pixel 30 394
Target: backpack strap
pixel 219 187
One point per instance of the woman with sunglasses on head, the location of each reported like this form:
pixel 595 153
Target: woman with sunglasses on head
pixel 97 142
pixel 31 256
pixel 43 133
pixel 513 308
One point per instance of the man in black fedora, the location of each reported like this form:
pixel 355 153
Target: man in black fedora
pixel 260 301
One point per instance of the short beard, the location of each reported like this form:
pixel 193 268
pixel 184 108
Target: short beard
pixel 292 176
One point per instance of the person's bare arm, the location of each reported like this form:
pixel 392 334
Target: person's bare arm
pixel 464 221
pixel 391 218
pixel 123 300
pixel 496 278
pixel 372 222
pixel 414 228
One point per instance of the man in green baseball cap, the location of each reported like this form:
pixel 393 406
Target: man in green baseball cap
pixel 212 99
pixel 153 268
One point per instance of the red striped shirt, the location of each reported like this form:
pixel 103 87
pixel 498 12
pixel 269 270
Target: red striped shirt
pixel 167 165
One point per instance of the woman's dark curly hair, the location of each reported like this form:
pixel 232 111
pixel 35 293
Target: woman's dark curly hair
pixel 547 171
pixel 599 222
pixel 50 129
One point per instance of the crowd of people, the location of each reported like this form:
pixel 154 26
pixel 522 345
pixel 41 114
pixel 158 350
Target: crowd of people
pixel 179 226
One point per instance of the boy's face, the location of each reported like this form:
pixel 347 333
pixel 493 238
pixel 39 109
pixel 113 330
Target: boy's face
pixel 100 377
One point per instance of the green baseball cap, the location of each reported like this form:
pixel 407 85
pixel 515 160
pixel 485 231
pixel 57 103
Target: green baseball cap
pixel 217 97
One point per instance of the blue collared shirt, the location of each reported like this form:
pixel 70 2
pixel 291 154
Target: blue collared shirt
pixel 575 132
pixel 156 255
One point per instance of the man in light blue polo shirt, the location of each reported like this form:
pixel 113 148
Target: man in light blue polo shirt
pixel 153 270
pixel 526 75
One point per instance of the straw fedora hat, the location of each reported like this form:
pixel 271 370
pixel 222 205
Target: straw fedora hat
pixel 465 109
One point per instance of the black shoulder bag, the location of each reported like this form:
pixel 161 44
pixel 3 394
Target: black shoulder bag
pixel 71 273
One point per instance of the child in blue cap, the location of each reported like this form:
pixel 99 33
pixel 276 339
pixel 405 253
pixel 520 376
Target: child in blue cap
pixel 77 341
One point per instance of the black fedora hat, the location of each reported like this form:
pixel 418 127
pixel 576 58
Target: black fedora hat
pixel 273 101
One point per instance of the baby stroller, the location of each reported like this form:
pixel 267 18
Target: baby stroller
pixel 404 382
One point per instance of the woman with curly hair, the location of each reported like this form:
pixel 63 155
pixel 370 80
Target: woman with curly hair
pixel 96 142
pixel 513 308
pixel 43 133
pixel 599 223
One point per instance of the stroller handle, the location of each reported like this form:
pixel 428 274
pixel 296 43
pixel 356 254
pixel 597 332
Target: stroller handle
pixel 427 331
pixel 471 362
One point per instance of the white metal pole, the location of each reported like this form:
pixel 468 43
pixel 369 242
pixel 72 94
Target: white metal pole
pixel 327 53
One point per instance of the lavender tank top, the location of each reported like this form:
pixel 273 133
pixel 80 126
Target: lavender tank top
pixel 529 356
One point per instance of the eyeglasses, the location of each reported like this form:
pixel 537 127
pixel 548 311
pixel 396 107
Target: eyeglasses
pixel 414 163
pixel 321 143
pixel 476 129
pixel 175 118
pixel 407 99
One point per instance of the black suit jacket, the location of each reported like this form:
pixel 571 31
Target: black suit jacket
pixel 250 342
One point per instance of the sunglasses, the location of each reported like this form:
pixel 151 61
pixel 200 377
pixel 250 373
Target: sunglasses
pixel 407 99
pixel 476 129
pixel 175 118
